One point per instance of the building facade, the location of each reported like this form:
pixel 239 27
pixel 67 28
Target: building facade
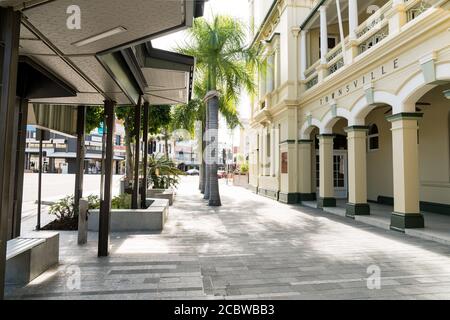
pixel 353 104
pixel 60 152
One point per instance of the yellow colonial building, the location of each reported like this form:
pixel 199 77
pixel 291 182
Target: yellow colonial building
pixel 354 105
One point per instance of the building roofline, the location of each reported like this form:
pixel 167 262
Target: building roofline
pixel 312 13
pixel 302 25
pixel 269 12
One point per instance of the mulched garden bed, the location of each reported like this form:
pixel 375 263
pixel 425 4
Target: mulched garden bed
pixel 62 225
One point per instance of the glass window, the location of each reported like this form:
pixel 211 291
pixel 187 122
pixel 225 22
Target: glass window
pixel 373 138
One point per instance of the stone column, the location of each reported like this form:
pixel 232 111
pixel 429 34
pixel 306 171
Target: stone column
pixel 323 34
pixel 270 74
pixel 322 69
pixel 305 170
pixel 326 190
pixel 267 151
pixel 406 172
pixel 396 16
pixel 353 18
pixel 272 150
pixel 357 171
pixel 261 153
pixel 277 152
pixel 303 55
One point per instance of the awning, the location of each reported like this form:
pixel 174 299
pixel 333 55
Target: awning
pixel 95 59
pixel 168 75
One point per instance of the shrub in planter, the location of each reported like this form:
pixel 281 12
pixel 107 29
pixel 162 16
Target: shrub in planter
pixel 122 201
pixel 244 168
pixel 64 211
pixel 163 173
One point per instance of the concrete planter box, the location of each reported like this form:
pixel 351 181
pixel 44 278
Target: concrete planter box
pixel 128 220
pixel 168 194
pixel 240 180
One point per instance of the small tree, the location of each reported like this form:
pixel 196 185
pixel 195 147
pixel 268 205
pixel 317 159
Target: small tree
pixel 126 114
pixel 160 117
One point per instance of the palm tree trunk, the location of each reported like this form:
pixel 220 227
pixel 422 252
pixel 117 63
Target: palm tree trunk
pixel 213 119
pixel 207 154
pixel 166 143
pixel 202 162
pixel 129 158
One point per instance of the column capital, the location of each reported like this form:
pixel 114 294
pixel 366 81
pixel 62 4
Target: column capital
pixel 404 116
pixel 356 128
pixel 305 141
pixel 323 8
pixel 326 136
pixel 296 31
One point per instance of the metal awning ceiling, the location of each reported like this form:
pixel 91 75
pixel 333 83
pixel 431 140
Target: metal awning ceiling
pixel 168 75
pixel 95 60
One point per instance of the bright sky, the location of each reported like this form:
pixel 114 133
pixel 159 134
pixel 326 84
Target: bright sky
pixel 234 8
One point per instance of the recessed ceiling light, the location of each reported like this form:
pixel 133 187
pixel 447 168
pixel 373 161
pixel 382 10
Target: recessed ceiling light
pixel 100 36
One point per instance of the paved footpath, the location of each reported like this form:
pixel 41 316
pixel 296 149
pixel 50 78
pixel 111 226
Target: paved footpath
pixel 250 248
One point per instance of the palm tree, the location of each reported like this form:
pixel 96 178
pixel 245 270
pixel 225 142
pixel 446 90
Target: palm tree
pixel 227 65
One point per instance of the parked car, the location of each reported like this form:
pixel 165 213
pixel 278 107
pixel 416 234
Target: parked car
pixel 193 172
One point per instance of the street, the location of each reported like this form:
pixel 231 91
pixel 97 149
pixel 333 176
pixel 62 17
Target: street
pixel 54 187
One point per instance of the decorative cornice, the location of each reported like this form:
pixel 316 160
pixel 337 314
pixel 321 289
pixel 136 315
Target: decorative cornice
pixel 356 128
pixel 270 21
pixel 394 46
pixel 326 135
pixel 405 116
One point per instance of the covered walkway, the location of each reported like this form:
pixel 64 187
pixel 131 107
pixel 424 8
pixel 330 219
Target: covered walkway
pixel 437 226
pixel 250 248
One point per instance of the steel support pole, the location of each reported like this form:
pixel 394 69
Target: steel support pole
pixel 41 159
pixel 105 204
pixel 145 158
pixel 137 131
pixel 79 177
pixel 20 167
pixel 9 55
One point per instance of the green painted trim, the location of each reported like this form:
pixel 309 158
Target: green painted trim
pixel 268 193
pixel 289 198
pixel 327 135
pixel 385 200
pixel 307 197
pixel 402 221
pixel 305 141
pixel 253 188
pixel 357 209
pixel 405 116
pixel 288 142
pixel 433 207
pixel 356 128
pixel 326 202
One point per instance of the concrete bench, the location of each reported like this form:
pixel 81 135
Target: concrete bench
pixel 130 220
pixel 168 194
pixel 29 256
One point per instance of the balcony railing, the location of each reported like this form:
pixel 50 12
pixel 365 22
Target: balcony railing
pixel 376 21
pixel 415 8
pixel 368 34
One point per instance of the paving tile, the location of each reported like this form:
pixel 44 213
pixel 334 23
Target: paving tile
pixel 250 248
